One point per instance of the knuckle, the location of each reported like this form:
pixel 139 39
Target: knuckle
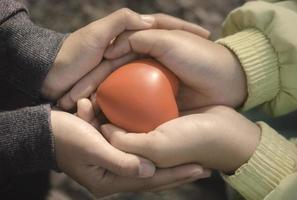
pixel 126 12
pixel 156 151
pixel 150 141
pixel 128 167
pixel 149 144
pixel 91 31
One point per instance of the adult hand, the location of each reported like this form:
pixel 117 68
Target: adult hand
pixel 84 154
pixel 83 50
pixel 217 138
pixel 210 74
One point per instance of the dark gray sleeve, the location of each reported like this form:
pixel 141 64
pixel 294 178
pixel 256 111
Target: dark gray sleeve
pixel 26 141
pixel 26 51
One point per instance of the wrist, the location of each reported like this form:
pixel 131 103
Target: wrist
pixel 231 77
pixel 55 120
pixel 234 77
pixel 260 65
pixel 53 84
pixel 240 149
pixel 273 161
pixel 247 145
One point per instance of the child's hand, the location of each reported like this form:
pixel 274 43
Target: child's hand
pixel 210 73
pixel 217 138
pixel 84 154
pixel 83 50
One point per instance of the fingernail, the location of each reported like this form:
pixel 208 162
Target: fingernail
pixel 201 173
pixel 148 19
pixel 146 169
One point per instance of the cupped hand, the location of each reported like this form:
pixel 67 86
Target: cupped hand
pixel 217 138
pixel 81 54
pixel 210 74
pixel 85 155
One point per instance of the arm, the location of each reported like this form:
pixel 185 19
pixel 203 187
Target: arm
pixel 35 138
pixel 262 161
pixel 262 37
pixel 26 51
pixel 26 142
pixel 270 171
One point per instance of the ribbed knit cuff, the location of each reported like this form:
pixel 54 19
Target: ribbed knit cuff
pixel 260 63
pixel 27 52
pixel 26 141
pixel 10 8
pixel 274 159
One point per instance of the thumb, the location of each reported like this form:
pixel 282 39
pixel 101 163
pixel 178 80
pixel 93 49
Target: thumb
pixel 121 163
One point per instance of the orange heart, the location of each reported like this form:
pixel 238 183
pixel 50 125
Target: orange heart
pixel 139 96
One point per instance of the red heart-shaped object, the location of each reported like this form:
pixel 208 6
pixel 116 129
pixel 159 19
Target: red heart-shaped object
pixel 139 96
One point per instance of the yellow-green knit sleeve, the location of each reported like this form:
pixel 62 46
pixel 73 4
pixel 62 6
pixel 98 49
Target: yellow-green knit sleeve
pixel 263 35
pixel 274 160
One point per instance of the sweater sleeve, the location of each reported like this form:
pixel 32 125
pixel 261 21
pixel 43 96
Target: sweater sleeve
pixel 263 36
pixel 26 51
pixel 26 141
pixel 269 169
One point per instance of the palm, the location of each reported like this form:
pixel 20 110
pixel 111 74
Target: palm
pixel 188 98
pixel 102 182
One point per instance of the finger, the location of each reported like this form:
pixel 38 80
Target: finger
pixel 120 46
pixel 101 119
pixel 89 83
pixel 149 42
pixel 85 110
pixel 92 42
pixel 95 105
pixel 163 21
pixel 116 23
pixel 135 143
pixel 121 163
pixel 204 174
pixel 190 172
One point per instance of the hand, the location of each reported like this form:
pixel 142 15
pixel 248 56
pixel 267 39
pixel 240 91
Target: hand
pixel 83 50
pixel 210 74
pixel 217 138
pixel 83 154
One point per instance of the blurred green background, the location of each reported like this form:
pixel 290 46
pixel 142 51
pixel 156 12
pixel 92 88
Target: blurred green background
pixel 68 15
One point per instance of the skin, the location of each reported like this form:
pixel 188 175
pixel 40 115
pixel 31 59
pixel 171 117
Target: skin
pixel 208 71
pixel 97 165
pixel 92 161
pixel 213 136
pixel 80 62
pixel 216 137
